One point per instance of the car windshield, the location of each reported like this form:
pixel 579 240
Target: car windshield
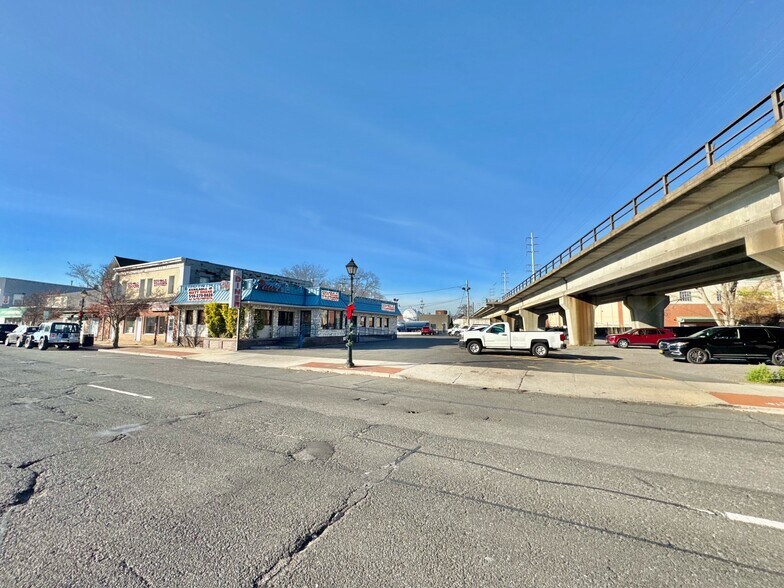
pixel 702 334
pixel 65 328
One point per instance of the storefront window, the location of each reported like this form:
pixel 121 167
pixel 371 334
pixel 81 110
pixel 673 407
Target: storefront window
pixel 149 325
pixel 363 321
pixel 285 318
pixel 331 319
pixel 200 317
pixel 386 323
pixel 128 328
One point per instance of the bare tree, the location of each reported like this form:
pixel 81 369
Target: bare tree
pixel 113 303
pixel 36 306
pixel 366 284
pixel 310 272
pixel 728 300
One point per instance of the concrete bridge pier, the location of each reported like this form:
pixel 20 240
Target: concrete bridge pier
pixel 647 311
pixel 532 321
pixel 580 317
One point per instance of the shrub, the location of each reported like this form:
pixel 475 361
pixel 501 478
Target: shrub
pixel 230 320
pixel 213 316
pixel 761 374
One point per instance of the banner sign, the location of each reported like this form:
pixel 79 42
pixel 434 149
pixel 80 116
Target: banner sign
pixel 235 293
pixel 388 307
pixel 224 285
pixel 330 295
pixel 160 283
pixel 200 293
pixel 132 285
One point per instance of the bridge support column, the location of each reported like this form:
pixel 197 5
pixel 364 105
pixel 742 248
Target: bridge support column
pixel 580 318
pixel 509 320
pixel 530 320
pixel 767 247
pixel 647 311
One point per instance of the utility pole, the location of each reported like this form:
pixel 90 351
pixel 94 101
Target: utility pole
pixel 421 305
pixel 504 275
pixel 467 289
pixel 532 250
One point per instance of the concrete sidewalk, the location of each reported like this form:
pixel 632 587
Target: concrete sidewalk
pixel 760 397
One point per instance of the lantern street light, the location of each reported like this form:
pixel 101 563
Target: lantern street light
pixel 351 268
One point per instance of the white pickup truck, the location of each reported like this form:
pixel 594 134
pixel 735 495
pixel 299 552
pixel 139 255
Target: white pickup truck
pixel 499 336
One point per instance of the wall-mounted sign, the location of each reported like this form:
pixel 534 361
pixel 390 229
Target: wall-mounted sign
pixel 269 286
pixel 159 307
pixel 198 293
pixel 330 295
pixel 225 285
pixel 388 307
pixel 161 283
pixel 132 285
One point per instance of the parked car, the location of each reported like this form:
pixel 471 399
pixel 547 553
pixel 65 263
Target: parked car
pixel 639 337
pixel 5 329
pixel 427 331
pixel 61 334
pixel 740 342
pixel 453 330
pixel 17 336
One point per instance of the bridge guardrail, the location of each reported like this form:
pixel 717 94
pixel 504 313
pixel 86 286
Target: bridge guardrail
pixel 762 115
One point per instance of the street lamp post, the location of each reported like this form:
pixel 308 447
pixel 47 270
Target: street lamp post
pixel 81 309
pixel 351 268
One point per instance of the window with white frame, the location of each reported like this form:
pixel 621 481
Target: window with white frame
pixel 685 296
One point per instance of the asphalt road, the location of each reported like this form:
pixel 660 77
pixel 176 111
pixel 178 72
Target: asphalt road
pixel 635 362
pixel 135 471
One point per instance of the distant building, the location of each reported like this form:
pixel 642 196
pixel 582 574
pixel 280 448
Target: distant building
pixel 14 290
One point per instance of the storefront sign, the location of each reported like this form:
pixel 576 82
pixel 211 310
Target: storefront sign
pixel 160 283
pixel 132 285
pixel 235 294
pixel 269 286
pixel 330 295
pixel 197 293
pixel 388 307
pixel 159 307
pixel 225 285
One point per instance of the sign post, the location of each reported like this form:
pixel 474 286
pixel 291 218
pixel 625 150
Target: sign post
pixel 235 298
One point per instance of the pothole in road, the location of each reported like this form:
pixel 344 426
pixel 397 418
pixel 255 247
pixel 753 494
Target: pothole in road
pixel 315 450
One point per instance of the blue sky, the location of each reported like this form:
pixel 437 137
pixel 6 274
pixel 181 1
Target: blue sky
pixel 424 139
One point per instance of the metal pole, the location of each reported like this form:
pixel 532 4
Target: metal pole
pixel 239 309
pixel 351 327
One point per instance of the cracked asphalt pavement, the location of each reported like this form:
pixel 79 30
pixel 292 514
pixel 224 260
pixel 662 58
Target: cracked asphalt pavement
pixel 135 471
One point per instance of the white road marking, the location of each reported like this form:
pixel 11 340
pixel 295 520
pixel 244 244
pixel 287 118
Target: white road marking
pixel 120 391
pixel 754 520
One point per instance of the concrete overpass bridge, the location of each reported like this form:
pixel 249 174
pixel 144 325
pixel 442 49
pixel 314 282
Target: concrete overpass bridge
pixel 717 216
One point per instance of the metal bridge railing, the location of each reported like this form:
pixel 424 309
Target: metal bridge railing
pixel 762 115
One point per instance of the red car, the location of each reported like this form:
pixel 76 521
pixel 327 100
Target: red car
pixel 426 331
pixel 647 337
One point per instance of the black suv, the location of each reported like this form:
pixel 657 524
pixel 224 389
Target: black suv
pixel 739 342
pixel 5 329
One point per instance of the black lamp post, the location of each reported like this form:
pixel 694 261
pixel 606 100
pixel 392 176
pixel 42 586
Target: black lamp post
pixel 81 309
pixel 351 268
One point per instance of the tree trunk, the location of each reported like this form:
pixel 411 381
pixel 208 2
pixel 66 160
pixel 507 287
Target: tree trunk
pixel 714 313
pixel 116 334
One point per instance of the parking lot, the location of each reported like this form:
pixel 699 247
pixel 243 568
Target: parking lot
pixel 600 359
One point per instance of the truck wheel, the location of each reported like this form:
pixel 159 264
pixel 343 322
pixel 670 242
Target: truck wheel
pixel 623 343
pixel 474 347
pixel 29 343
pixel 540 349
pixel 697 355
pixel 43 344
pixel 7 342
pixel 20 342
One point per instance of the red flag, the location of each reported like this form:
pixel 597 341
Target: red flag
pixel 349 311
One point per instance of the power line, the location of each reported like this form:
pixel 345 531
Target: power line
pixel 425 291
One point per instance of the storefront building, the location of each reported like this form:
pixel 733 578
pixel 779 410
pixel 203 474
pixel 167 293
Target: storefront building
pixel 157 283
pixel 279 311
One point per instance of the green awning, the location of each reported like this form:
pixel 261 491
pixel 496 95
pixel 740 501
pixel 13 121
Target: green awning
pixel 12 311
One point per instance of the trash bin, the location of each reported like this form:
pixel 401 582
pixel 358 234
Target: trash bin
pixel 87 340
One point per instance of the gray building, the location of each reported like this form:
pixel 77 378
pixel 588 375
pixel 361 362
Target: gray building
pixel 14 290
